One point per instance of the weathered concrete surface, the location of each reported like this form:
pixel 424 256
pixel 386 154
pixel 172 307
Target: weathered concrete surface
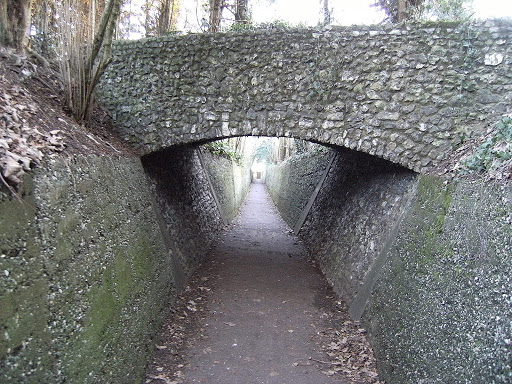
pixel 405 93
pixel 90 262
pixel 426 263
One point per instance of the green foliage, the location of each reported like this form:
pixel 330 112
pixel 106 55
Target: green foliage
pixel 263 153
pixel 494 152
pixel 222 148
pixel 281 24
pixel 448 10
pixel 173 32
pixel 276 24
pixel 241 27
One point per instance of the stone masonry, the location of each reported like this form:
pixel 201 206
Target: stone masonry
pixel 406 93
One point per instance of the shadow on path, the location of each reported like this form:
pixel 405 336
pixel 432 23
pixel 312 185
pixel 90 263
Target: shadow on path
pixel 258 310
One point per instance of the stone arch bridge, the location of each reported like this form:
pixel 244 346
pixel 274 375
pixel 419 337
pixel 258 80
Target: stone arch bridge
pixel 406 93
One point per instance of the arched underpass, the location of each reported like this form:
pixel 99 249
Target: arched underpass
pixel 93 257
pixel 267 300
pixel 406 93
pixel 399 248
pixel 96 250
pixel 413 265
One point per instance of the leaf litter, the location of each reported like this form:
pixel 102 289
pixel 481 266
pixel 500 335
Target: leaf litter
pixel 34 125
pixel 181 330
pixel 346 347
pixel 347 351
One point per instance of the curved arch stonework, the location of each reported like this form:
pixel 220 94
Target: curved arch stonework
pixel 405 93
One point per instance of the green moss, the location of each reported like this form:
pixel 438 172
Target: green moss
pixel 121 283
pixel 447 285
pixel 122 276
pixel 64 248
pixel 142 265
pixel 22 316
pixel 433 201
pixel 25 337
pixel 104 312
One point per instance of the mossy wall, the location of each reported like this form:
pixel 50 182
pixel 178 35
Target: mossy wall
pixel 89 266
pixel 24 287
pixel 86 275
pixel 441 310
pixel 426 262
pixel 352 220
pixel 231 181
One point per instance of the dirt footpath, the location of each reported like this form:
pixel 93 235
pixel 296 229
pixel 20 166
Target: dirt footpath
pixel 259 312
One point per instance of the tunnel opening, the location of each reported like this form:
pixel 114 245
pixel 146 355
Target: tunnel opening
pixel 320 191
pixel 347 203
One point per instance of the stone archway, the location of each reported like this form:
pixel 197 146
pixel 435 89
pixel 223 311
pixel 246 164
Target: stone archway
pixel 403 93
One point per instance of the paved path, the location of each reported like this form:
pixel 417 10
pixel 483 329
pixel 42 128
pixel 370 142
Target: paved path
pixel 264 308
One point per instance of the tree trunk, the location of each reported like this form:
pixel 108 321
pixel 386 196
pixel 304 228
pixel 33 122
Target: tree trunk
pixel 147 18
pixel 14 23
pixel 40 22
pixel 402 10
pixel 100 53
pixel 163 20
pixel 327 13
pixel 168 18
pixel 215 14
pixel 241 12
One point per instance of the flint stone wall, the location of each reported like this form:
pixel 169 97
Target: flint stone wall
pixel 230 180
pixel 353 215
pixel 425 263
pixel 91 260
pixel 440 311
pixel 406 93
pixel 292 182
pixel 86 275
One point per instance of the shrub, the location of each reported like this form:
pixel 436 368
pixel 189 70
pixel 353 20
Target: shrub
pixel 223 149
pixel 495 152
